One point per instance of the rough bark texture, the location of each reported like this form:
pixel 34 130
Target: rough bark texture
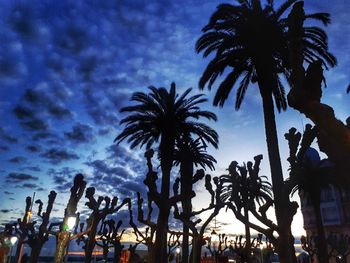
pixel 61 247
pixel 63 236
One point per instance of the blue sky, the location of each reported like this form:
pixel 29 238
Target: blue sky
pixel 67 67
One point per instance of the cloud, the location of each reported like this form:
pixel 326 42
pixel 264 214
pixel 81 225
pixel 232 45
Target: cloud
pixel 23 112
pixel 5 211
pixel 32 168
pixel 4 148
pixel 58 155
pixel 33 148
pixel 63 178
pixel 8 193
pixel 5 136
pixel 17 159
pixel 35 124
pixel 81 133
pixel 19 177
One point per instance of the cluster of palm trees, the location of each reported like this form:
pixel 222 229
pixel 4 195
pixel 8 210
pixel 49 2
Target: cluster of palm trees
pixel 250 43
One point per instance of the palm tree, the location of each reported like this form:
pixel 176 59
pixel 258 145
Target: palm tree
pixel 164 116
pixel 251 41
pixel 190 153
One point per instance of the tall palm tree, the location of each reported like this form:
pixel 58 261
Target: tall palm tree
pixel 251 41
pixel 164 116
pixel 190 153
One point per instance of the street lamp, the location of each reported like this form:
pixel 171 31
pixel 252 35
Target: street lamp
pixel 12 241
pixel 71 221
pixel 177 251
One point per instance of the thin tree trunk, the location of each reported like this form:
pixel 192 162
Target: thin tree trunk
pixel 35 253
pixel 89 247
pixel 247 236
pixel 283 209
pixel 186 172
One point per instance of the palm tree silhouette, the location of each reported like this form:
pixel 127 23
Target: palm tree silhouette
pixel 165 116
pixel 251 41
pixel 190 153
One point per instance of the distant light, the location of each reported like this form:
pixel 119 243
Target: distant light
pixel 177 250
pixel 71 221
pixel 13 240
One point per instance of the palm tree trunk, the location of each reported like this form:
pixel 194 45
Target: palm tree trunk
pixel 284 217
pixel 167 151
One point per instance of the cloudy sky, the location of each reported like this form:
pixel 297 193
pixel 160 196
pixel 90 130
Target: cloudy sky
pixel 67 67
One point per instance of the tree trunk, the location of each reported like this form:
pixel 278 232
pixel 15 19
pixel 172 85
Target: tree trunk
pixel 90 245
pixel 281 200
pixel 247 236
pixel 196 249
pixel 151 257
pixel 61 247
pixel 186 173
pixel 166 152
pixel 161 232
pixel 35 253
pixel 185 244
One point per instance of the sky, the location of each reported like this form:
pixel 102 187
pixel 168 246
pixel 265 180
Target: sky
pixel 67 67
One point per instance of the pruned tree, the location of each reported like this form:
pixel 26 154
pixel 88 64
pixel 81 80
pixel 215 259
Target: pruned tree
pixel 246 192
pixel 146 236
pixel 239 246
pixel 217 248
pixel 98 214
pixel 192 221
pixel 64 236
pixel 22 227
pixel 37 237
pixel 306 93
pixel 309 175
pixel 110 237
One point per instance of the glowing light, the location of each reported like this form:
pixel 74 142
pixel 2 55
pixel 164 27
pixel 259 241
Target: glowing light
pixel 13 240
pixel 177 250
pixel 71 221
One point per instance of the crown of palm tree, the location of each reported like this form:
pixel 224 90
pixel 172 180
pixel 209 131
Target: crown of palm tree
pixel 162 113
pixel 246 36
pixel 188 149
